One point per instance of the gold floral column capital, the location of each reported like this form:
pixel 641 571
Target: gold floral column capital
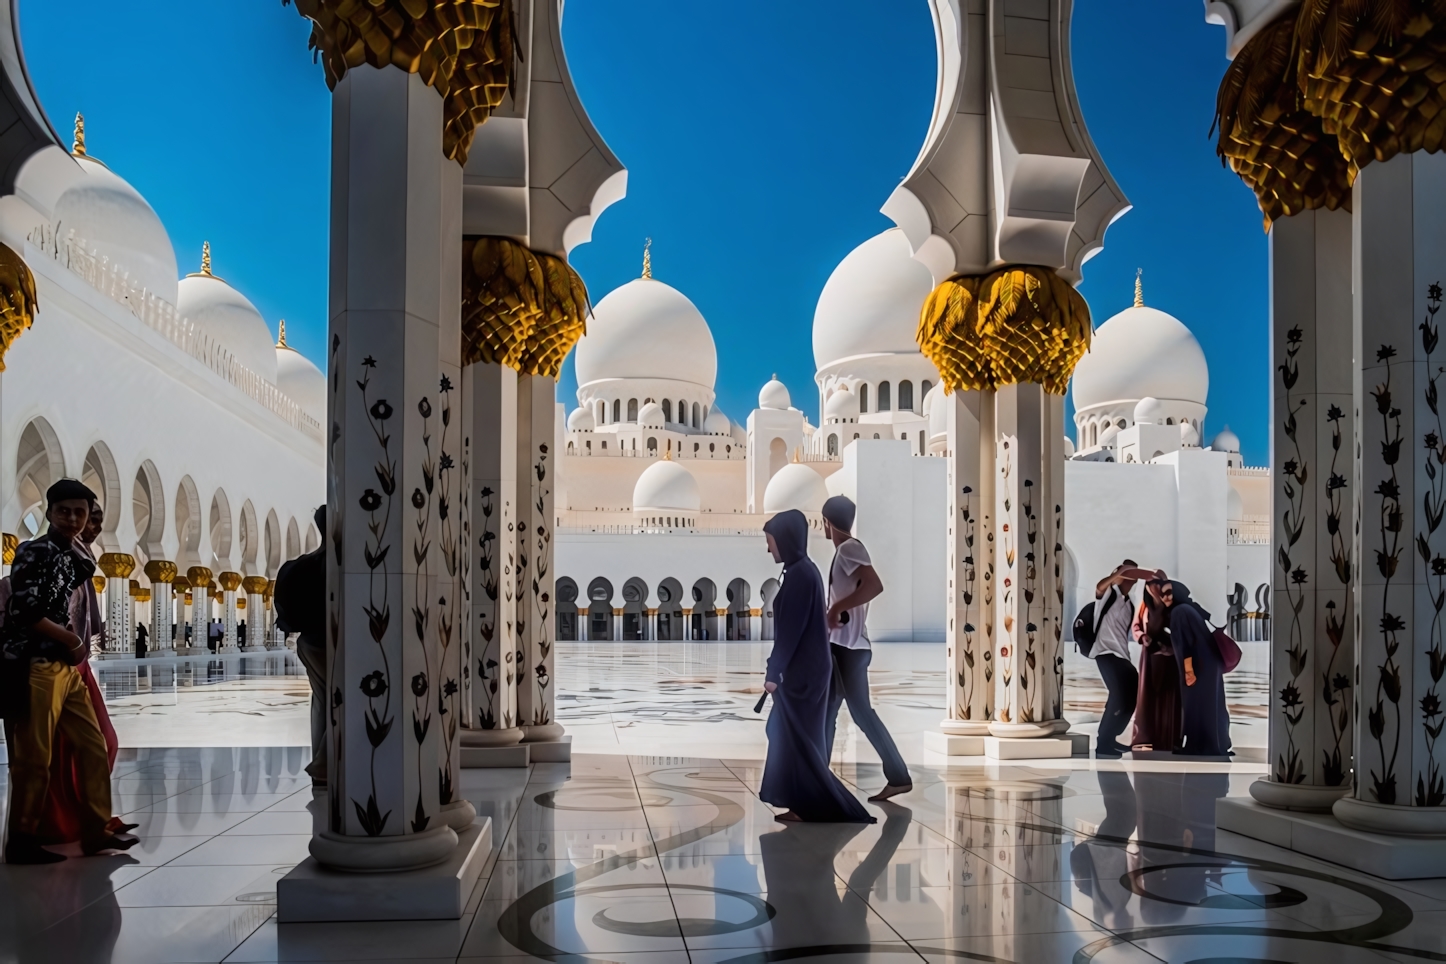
pixel 9 543
pixel 161 570
pixel 199 576
pixel 116 565
pixel 1010 326
pixel 464 49
pixel 18 303
pixel 230 581
pixel 520 308
pixel 255 585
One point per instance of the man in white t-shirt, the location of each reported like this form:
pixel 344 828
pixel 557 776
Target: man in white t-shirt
pixel 852 583
pixel 1111 652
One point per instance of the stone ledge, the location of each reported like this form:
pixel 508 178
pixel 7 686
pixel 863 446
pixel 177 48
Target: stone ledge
pixel 950 744
pixel 314 893
pixel 551 751
pixel 485 757
pixel 1321 836
pixel 1037 748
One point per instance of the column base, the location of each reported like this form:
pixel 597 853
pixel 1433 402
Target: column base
pixel 953 744
pixel 494 757
pixel 1035 748
pixel 551 751
pixel 1295 796
pixel 542 733
pixel 1028 731
pixel 964 727
pixel 398 852
pixel 511 736
pixel 312 892
pixel 1379 818
pixel 459 815
pixel 1322 836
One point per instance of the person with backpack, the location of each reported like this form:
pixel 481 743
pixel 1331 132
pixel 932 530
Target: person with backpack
pixel 1102 632
pixel 1204 658
pixel 300 601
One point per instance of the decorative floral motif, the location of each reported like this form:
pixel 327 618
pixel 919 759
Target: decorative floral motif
pixel 1294 473
pixel 1430 784
pixel 1390 520
pixel 421 612
pixel 448 615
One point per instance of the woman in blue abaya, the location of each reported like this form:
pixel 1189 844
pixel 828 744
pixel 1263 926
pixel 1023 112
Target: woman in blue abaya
pixel 1205 721
pixel 800 667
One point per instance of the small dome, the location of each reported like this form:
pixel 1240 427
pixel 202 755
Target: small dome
pixel 936 409
pixel 112 220
pixel 302 381
pixel 1149 411
pixel 740 435
pixel 1234 505
pixel 230 319
pixel 667 485
pixel 717 423
pixel 1141 352
pixel 651 415
pixel 842 404
pixel 870 304
pixel 1068 447
pixel 795 486
pixel 1226 441
pixel 581 420
pixel 775 395
pixel 647 329
pixel 1189 435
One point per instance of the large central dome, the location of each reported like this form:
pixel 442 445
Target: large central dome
pixel 1141 353
pixel 871 302
pixel 647 329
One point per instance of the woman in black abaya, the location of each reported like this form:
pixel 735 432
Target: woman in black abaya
pixel 1205 722
pixel 800 667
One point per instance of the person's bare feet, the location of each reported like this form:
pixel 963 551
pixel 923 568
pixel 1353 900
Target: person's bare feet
pixel 891 791
pixel 788 817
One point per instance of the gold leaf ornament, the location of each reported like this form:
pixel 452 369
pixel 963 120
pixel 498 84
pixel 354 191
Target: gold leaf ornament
pixel 1015 325
pixel 520 308
pixel 18 303
pixel 465 49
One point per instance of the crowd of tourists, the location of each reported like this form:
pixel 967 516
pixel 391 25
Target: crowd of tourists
pixel 1176 696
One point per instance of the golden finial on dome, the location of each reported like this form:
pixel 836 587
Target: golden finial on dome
pixel 1139 288
pixel 648 258
pixel 78 147
pixel 668 453
pixel 281 335
pixel 206 258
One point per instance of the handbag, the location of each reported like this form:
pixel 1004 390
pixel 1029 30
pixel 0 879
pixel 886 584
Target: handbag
pixel 1227 648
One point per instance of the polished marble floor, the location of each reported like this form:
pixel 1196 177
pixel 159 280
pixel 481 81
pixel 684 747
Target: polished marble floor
pixel 656 860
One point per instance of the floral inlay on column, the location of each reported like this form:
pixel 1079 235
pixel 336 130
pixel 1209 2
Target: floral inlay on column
pixel 1388 558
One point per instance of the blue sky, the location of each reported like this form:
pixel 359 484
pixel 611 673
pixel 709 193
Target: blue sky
pixel 760 138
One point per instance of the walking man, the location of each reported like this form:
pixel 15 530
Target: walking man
pixel 1111 653
pixel 43 693
pixel 852 584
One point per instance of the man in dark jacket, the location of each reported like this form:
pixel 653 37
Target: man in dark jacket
pixel 43 693
pixel 300 601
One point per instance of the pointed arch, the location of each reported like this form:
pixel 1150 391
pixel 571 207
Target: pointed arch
pixel 220 523
pixel 148 510
pixel 250 540
pixel 188 524
pixel 39 463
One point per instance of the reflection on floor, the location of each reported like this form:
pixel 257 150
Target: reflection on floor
pixel 657 860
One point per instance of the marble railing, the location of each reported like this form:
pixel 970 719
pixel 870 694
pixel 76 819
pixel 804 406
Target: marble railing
pixel 162 317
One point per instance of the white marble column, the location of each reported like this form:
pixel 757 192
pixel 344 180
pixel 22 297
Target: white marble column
pixel 201 583
pixel 969 633
pixel 180 595
pixel 255 587
pixel 493 682
pixel 1313 453
pixel 117 567
pixel 229 582
pixel 133 604
pixel 1399 264
pixel 537 470
pixel 1028 525
pixel 389 234
pixel 162 574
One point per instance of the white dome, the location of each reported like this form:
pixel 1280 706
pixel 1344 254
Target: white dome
pixel 651 415
pixel 302 381
pixel 1189 435
pixel 795 486
pixel 647 329
pixel 581 420
pixel 717 423
pixel 1226 441
pixel 843 403
pixel 774 394
pixel 113 221
pixel 740 434
pixel 1068 447
pixel 1141 352
pixel 936 408
pixel 666 485
pixel 232 321
pixel 1149 411
pixel 871 302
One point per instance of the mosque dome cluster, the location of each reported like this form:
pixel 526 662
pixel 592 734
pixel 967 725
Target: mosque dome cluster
pixel 111 220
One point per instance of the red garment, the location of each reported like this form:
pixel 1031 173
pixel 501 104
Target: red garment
pixel 61 823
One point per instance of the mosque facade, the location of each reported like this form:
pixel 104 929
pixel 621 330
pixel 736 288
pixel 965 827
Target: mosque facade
pixel 169 396
pixel 662 496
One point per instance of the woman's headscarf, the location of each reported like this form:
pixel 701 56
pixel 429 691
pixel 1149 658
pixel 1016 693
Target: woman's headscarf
pixel 790 533
pixel 1182 598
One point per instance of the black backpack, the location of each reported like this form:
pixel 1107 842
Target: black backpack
pixel 1085 622
pixel 300 595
